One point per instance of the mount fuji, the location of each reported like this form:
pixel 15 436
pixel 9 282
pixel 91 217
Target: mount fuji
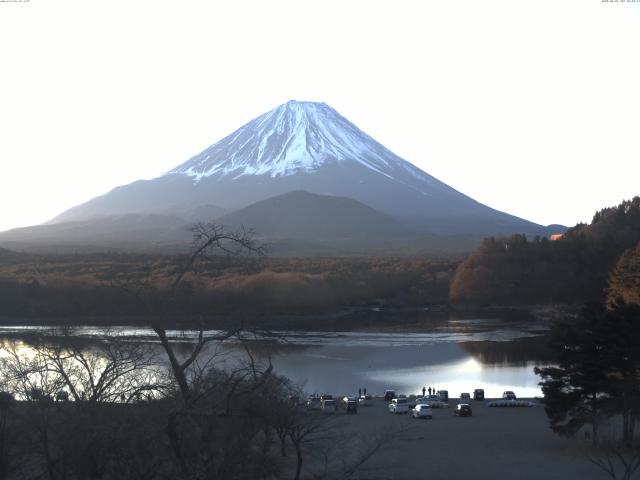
pixel 303 146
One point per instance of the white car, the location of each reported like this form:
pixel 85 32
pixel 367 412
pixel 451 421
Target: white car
pixel 423 401
pixel 423 411
pixel 399 405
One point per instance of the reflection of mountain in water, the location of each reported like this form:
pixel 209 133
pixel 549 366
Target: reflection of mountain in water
pixel 516 352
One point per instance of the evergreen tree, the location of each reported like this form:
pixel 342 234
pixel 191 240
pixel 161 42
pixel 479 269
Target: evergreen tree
pixel 620 332
pixel 575 388
pixel 596 372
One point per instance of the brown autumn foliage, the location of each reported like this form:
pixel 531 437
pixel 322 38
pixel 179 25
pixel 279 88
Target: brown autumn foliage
pixel 102 285
pixel 574 269
pixel 624 281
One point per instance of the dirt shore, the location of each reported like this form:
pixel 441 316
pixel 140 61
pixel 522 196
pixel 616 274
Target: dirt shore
pixel 494 443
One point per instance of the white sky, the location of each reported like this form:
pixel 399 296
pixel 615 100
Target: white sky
pixel 531 107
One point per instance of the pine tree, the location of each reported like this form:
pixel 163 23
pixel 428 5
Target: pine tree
pixel 575 388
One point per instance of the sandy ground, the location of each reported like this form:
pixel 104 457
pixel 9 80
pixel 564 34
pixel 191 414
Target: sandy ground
pixel 494 443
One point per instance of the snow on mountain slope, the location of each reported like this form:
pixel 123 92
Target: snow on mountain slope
pixel 298 137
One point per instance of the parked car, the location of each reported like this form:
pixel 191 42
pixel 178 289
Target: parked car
pixel 329 406
pixel 389 395
pixel 346 400
pixel 399 405
pixel 326 396
pixel 424 400
pixel 508 395
pixel 478 394
pixel 433 398
pixel 314 403
pixel 365 400
pixel 351 406
pixel 423 410
pixel 463 410
pixel 464 397
pixel 444 395
pixel 412 400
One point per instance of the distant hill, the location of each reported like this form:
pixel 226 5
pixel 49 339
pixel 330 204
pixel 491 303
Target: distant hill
pixel 573 269
pixel 130 231
pixel 303 215
pixel 297 223
pixel 301 223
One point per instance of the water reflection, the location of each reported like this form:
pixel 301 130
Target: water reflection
pixel 406 369
pixel 458 356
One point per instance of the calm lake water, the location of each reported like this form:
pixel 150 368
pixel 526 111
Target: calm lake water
pixel 458 355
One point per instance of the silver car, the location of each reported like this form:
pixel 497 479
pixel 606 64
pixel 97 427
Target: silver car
pixel 399 405
pixel 423 410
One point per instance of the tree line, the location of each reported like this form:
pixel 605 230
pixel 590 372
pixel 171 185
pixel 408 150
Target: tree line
pixel 89 287
pixel 574 269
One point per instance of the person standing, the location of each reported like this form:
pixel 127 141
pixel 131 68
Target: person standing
pixel 429 390
pixel 365 391
pixel 424 390
pixel 359 392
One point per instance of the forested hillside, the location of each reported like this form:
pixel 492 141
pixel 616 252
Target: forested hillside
pixel 573 269
pixel 108 285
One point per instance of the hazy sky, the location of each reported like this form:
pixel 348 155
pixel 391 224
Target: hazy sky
pixel 531 107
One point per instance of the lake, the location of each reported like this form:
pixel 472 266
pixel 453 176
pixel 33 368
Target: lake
pixel 457 355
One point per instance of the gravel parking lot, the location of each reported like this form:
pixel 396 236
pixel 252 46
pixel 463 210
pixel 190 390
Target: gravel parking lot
pixel 493 443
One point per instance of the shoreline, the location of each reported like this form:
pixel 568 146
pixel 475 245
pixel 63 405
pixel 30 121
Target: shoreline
pixel 369 318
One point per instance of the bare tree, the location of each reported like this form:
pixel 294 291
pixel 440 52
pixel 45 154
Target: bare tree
pixel 618 458
pixel 208 238
pixel 26 374
pixel 615 459
pixel 342 455
pixel 109 370
pixel 307 429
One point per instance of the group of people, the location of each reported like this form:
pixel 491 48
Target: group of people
pixel 363 391
pixel 430 390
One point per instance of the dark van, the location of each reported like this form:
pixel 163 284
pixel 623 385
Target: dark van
pixel 389 395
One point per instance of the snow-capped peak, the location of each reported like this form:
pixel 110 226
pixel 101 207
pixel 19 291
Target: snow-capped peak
pixel 292 138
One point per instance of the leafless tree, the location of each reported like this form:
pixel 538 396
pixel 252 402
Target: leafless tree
pixel 26 374
pixel 618 458
pixel 306 430
pixel 208 238
pixel 342 455
pixel 108 370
